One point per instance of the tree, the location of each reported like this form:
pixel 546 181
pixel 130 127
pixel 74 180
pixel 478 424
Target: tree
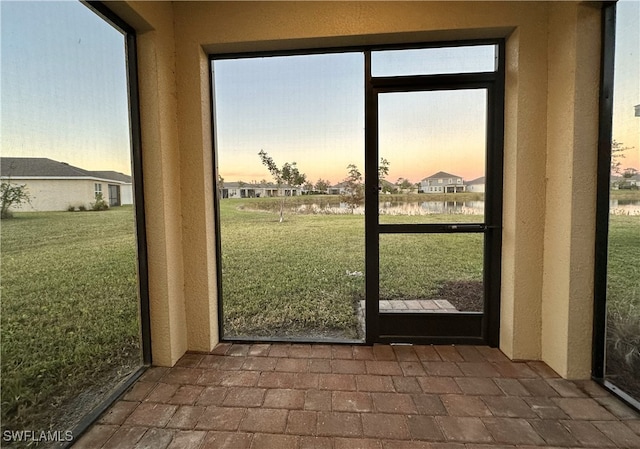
pixel 383 172
pixel 288 174
pixel 308 186
pixel 322 185
pixel 617 150
pixel 12 195
pixel 627 174
pixel 353 193
pixel 220 185
pixel 404 184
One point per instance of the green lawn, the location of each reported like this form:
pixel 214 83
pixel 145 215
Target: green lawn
pixel 291 278
pixel 623 303
pixel 623 280
pixel 303 277
pixel 69 311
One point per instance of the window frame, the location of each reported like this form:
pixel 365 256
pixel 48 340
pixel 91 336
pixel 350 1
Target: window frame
pixel 498 41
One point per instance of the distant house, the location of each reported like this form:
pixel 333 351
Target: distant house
pixel 442 182
pixel 56 186
pixel 385 186
pixel 475 185
pixel 241 189
pixel 338 189
pixel 622 182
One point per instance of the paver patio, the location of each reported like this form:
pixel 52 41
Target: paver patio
pixel 302 396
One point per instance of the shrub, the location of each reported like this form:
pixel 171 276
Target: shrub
pixel 82 208
pixel 100 203
pixel 12 195
pixel 71 209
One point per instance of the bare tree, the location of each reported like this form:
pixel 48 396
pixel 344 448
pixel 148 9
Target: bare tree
pixel 353 193
pixel 617 150
pixel 322 185
pixel 287 175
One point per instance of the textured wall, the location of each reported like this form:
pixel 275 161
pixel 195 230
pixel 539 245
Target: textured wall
pixel 541 271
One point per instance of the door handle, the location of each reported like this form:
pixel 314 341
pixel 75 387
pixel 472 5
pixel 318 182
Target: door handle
pixel 467 227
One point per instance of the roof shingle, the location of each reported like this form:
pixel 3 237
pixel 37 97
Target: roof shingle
pixel 17 167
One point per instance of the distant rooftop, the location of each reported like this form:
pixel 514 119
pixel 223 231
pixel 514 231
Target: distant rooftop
pixel 42 167
pixel 441 175
pixel 480 180
pixel 249 185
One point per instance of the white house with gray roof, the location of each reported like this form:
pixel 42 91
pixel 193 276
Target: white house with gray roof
pixel 56 186
pixel 442 182
pixel 476 185
pixel 241 189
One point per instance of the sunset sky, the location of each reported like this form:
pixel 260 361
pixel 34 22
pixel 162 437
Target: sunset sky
pixel 64 96
pixel 626 94
pixel 310 109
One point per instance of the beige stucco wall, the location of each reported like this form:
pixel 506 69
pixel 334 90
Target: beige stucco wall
pixel 572 133
pixel 161 166
pixel 57 195
pixel 543 293
pixel 126 194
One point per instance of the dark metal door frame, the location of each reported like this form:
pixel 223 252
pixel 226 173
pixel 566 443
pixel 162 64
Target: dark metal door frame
pixel 460 327
pixel 605 136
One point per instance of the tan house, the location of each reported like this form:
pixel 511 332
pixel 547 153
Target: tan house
pixel 57 186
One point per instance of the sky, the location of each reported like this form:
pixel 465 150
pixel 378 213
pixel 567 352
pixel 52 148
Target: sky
pixel 63 95
pixel 63 86
pixel 626 93
pixel 422 133
pixel 309 109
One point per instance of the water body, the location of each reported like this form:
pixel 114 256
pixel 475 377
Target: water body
pixel 398 208
pixel 624 207
pixel 616 207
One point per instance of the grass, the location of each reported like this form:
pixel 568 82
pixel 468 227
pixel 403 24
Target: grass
pixel 69 312
pixel 304 277
pixel 290 278
pixel 632 195
pixel 623 303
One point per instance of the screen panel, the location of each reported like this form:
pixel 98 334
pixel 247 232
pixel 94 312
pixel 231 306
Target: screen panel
pixel 292 250
pixel 434 61
pixel 434 146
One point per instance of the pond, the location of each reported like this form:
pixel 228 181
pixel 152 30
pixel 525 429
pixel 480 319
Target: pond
pixel 397 208
pixel 332 206
pixel 624 207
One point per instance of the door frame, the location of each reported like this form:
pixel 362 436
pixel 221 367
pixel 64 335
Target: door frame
pixel 446 328
pixel 603 186
pixel 494 81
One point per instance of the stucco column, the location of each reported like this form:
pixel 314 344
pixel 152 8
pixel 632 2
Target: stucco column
pixel 197 184
pixel 572 140
pixel 524 191
pixel 161 168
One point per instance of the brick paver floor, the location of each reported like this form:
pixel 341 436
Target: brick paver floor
pixel 302 396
